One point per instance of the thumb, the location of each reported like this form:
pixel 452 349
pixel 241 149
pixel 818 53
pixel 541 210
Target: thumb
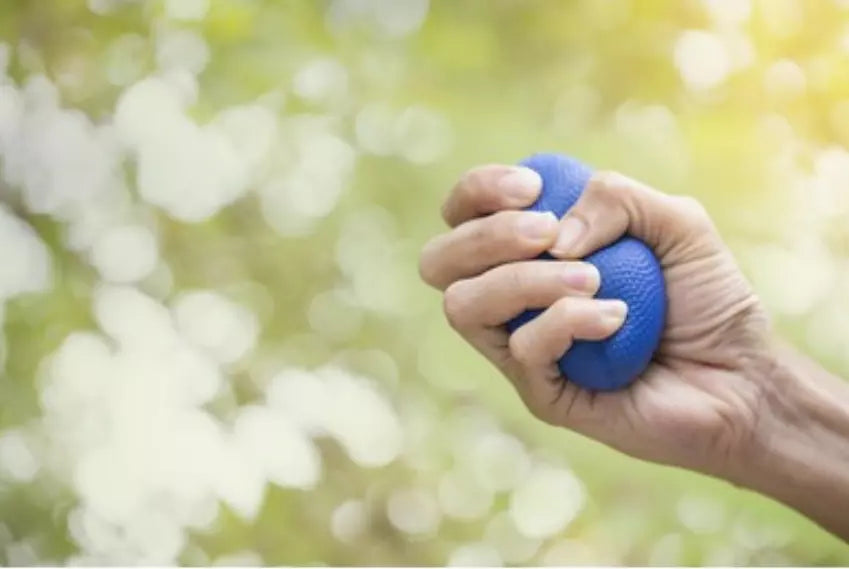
pixel 612 205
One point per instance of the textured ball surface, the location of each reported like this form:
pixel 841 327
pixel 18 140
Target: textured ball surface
pixel 629 271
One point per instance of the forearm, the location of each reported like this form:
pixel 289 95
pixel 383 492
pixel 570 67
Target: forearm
pixel 800 451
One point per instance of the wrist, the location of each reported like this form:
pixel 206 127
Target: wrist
pixel 798 453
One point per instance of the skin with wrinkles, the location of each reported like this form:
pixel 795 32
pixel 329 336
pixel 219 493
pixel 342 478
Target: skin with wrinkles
pixel 719 397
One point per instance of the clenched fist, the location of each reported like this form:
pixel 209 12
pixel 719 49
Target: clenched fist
pixel 697 404
pixel 720 397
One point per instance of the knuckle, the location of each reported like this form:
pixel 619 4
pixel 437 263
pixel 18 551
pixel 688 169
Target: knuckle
pixel 473 184
pixel 470 194
pixel 604 188
pixel 607 178
pixel 693 212
pixel 455 301
pixel 563 311
pixel 691 206
pixel 470 179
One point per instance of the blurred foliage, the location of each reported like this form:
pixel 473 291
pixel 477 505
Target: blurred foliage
pixel 740 117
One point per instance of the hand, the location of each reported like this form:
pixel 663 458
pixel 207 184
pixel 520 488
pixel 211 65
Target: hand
pixel 720 397
pixel 699 403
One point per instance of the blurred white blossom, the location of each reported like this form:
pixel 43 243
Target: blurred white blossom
pixel 322 81
pixel 181 49
pixel 225 330
pixel 702 59
pixel 513 547
pixel 413 511
pixel 149 462
pixel 546 501
pixel 349 521
pixel 125 254
pixel 18 462
pixel 191 171
pixel 461 497
pixel 26 263
pixel 58 158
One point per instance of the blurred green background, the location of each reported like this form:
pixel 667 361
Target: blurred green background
pixel 216 348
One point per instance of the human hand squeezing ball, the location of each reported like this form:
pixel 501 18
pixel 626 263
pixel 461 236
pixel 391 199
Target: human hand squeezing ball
pixel 678 409
pixel 535 269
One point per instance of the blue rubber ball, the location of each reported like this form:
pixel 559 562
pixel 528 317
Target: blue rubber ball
pixel 629 271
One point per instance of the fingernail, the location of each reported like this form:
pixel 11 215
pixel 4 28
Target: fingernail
pixel 571 230
pixel 582 277
pixel 521 183
pixel 536 225
pixel 613 312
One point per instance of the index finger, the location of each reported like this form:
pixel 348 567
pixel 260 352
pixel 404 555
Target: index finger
pixel 488 189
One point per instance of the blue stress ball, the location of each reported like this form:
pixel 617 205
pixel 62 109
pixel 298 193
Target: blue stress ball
pixel 629 272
